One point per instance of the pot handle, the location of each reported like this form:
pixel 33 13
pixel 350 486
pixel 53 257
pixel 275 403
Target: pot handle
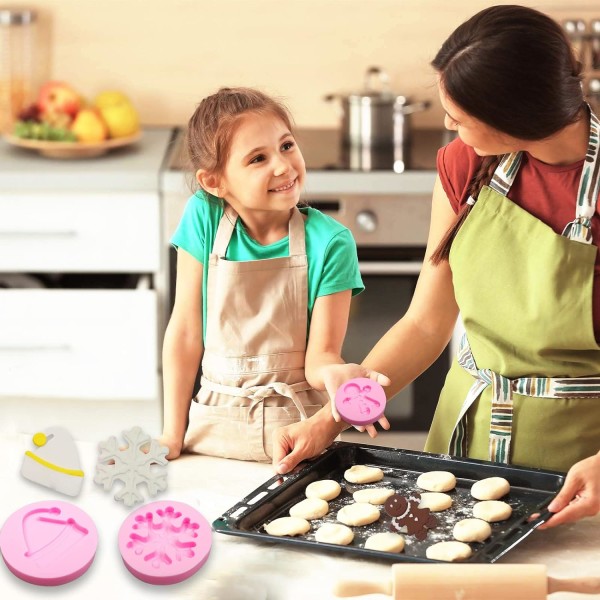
pixel 409 109
pixel 378 75
pixel 333 98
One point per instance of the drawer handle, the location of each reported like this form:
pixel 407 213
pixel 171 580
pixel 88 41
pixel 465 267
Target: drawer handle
pixel 57 233
pixel 42 348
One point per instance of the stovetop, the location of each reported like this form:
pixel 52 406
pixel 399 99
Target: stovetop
pixel 323 151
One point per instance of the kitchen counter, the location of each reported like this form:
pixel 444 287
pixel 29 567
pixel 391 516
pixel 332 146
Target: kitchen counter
pixel 238 569
pixel 321 150
pixel 131 168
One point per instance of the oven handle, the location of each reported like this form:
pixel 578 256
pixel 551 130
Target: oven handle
pixel 390 268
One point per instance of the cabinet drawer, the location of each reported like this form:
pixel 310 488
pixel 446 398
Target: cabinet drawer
pixel 79 232
pixel 78 344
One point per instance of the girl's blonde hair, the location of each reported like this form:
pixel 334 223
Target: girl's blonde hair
pixel 211 127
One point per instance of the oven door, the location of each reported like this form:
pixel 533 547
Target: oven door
pixel 389 288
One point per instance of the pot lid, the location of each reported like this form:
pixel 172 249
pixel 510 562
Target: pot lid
pixel 376 89
pixel 376 99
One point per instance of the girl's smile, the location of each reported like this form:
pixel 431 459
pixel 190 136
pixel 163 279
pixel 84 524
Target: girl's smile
pixel 287 187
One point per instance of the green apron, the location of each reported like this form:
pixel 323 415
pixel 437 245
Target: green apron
pixel 525 387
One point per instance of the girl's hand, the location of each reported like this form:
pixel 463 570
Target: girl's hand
pixel 173 444
pixel 335 375
pixel 580 494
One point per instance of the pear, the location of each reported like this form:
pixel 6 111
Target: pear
pixel 89 126
pixel 118 113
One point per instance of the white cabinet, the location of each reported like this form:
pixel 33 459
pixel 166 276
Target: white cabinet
pixel 79 232
pixel 78 343
pixel 81 318
pixel 99 344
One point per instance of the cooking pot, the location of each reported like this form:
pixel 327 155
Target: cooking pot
pixel 376 118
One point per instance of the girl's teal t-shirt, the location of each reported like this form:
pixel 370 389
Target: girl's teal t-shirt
pixel 330 248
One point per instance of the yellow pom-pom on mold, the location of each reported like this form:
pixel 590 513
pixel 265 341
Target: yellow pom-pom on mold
pixel 39 439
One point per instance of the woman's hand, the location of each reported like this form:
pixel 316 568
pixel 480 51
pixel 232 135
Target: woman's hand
pixel 336 375
pixel 580 494
pixel 173 444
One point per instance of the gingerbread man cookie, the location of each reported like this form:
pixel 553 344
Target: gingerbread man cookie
pixel 405 513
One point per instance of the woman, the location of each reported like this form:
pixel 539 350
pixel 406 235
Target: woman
pixel 513 245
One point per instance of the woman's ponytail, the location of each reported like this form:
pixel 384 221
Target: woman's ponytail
pixel 482 177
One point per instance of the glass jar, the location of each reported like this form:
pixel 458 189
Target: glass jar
pixel 594 94
pixel 18 76
pixel 595 42
pixel 576 32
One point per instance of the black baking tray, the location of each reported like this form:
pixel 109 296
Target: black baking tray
pixel 531 492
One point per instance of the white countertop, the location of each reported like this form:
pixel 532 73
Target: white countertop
pixel 237 569
pixel 336 182
pixel 132 168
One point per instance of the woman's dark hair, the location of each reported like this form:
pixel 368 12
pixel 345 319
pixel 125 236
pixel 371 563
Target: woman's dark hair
pixel 512 68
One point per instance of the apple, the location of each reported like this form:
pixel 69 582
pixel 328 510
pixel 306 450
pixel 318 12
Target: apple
pixel 57 97
pixel 118 113
pixel 89 126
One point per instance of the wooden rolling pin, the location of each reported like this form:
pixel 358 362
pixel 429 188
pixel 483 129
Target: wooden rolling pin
pixel 468 582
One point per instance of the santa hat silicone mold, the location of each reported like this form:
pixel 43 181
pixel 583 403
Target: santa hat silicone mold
pixel 54 463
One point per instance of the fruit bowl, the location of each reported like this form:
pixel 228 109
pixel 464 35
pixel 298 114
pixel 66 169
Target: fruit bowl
pixel 72 149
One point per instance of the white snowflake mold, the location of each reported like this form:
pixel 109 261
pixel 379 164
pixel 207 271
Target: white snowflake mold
pixel 132 466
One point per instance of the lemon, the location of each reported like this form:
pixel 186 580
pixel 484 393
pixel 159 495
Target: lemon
pixel 118 113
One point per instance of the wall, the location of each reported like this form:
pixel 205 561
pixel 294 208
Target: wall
pixel 168 54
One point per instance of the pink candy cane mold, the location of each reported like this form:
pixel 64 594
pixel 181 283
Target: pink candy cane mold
pixel 49 542
pixel 165 542
pixel 360 401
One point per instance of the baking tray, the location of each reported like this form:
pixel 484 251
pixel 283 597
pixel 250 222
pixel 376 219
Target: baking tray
pixel 531 492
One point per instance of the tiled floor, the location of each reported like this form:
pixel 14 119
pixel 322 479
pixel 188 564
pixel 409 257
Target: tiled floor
pixel 409 440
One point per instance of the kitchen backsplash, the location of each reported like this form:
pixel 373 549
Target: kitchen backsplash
pixel 168 55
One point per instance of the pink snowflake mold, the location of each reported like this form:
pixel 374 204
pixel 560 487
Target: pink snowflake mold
pixel 360 401
pixel 165 542
pixel 49 542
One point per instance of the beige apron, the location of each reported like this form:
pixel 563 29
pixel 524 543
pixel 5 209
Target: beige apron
pixel 253 365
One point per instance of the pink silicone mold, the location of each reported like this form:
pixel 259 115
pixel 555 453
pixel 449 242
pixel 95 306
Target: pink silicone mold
pixel 49 542
pixel 360 401
pixel 164 542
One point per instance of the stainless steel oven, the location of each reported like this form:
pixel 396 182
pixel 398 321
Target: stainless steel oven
pixel 390 233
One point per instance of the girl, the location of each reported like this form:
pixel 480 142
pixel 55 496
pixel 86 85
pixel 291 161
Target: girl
pixel 513 243
pixel 263 288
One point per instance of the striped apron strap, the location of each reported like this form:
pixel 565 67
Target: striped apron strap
pixel 506 172
pixel 502 401
pixel 504 175
pixel 502 408
pixel 580 229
